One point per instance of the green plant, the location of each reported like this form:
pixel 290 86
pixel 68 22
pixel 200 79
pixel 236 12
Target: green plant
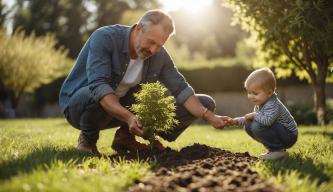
pixel 304 113
pixel 154 109
pixel 28 62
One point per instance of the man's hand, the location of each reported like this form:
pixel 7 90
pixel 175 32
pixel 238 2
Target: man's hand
pixel 217 121
pixel 227 120
pixel 110 103
pixel 249 117
pixel 135 126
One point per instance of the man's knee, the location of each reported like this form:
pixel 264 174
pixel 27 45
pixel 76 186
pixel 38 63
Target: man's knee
pixel 186 118
pixel 84 112
pixel 207 101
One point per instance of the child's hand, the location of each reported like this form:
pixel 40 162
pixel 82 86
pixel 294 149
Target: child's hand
pixel 249 117
pixel 234 121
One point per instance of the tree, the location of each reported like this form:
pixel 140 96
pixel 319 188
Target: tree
pixel 154 110
pixel 27 62
pixel 293 37
pixel 111 12
pixel 3 13
pixel 66 19
pixel 72 21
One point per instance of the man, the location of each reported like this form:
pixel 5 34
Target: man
pixel 113 62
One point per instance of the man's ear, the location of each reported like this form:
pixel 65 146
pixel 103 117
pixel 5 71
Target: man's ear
pixel 138 27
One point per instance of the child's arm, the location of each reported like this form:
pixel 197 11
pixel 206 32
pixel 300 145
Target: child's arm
pixel 268 114
pixel 238 121
pixel 249 117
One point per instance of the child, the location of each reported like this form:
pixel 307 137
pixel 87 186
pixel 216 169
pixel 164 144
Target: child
pixel 271 123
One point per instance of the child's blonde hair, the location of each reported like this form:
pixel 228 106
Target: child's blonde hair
pixel 264 78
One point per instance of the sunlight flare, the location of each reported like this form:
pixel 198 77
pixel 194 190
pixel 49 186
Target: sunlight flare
pixel 191 6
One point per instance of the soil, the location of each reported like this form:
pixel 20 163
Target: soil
pixel 199 168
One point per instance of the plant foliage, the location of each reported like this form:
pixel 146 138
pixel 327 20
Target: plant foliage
pixel 154 109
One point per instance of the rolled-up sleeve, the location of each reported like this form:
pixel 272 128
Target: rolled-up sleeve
pixel 174 81
pixel 99 64
pixel 241 121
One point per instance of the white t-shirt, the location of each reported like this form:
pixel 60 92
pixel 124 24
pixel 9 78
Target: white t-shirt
pixel 131 78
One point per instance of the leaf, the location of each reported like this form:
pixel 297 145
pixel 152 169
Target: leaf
pixel 154 109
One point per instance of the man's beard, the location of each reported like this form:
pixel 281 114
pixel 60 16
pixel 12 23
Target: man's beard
pixel 142 53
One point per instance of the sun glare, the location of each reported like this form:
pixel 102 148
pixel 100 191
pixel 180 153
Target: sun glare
pixel 192 6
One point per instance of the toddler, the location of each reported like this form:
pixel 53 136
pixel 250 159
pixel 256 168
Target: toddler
pixel 271 123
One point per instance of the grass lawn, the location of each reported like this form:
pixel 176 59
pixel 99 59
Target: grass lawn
pixel 40 155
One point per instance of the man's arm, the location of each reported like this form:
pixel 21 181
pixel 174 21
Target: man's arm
pixel 111 105
pixel 173 79
pixel 194 106
pixel 98 64
pixel 184 93
pixel 98 72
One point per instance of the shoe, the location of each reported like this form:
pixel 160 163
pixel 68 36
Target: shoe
pixel 274 155
pixel 87 147
pixel 124 141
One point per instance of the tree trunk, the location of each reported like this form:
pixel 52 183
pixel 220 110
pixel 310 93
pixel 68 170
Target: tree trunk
pixel 14 102
pixel 320 100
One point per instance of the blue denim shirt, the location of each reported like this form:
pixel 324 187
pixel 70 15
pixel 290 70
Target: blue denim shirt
pixel 102 63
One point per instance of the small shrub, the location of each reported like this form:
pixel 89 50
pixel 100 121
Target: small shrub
pixel 304 113
pixel 154 109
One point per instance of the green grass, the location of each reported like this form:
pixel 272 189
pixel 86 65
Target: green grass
pixel 40 155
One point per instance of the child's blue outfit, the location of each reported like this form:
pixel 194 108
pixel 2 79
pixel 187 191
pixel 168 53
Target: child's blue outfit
pixel 273 125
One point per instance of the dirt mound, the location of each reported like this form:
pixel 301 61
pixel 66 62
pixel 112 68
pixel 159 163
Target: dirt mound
pixel 200 168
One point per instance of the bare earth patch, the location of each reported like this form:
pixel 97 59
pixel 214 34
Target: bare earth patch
pixel 200 168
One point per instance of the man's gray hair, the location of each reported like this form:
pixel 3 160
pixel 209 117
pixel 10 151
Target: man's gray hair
pixel 157 16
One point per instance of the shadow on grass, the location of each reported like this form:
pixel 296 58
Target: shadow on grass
pixel 306 167
pixel 41 157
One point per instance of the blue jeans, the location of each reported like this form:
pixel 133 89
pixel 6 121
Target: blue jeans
pixel 84 113
pixel 274 138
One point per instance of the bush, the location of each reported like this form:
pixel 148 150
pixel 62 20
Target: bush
pixel 154 109
pixel 304 113
pixel 27 62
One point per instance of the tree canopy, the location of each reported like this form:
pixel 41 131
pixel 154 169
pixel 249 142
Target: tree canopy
pixel 293 37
